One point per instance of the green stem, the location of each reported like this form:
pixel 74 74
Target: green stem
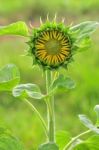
pixel 75 138
pixel 38 114
pixel 50 108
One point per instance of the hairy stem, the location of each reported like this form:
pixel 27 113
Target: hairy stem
pixel 38 114
pixel 50 108
pixel 75 138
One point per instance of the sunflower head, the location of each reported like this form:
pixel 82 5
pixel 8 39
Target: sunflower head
pixel 51 45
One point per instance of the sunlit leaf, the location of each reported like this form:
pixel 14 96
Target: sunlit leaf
pixel 27 90
pixel 48 146
pixel 76 142
pixel 9 77
pixel 91 144
pixel 88 123
pixel 62 82
pixel 62 138
pixel 82 146
pixel 18 28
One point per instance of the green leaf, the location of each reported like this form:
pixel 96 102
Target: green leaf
pixel 48 146
pixel 82 44
pixel 96 109
pixel 9 77
pixel 18 28
pixel 27 90
pixel 62 138
pixel 91 144
pixel 62 82
pixel 85 28
pixel 82 146
pixel 81 35
pixel 8 142
pixel 88 123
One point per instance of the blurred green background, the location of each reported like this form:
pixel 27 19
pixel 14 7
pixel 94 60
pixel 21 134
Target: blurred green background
pixel 84 70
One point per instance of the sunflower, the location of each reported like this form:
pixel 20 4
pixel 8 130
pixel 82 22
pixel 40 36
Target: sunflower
pixel 50 45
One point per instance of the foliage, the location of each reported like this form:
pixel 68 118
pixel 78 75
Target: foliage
pixel 27 90
pixel 9 142
pixel 91 143
pixel 18 28
pixel 77 32
pixel 62 138
pixel 62 84
pixel 9 77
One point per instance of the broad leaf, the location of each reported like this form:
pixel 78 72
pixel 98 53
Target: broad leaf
pixel 8 142
pixel 62 82
pixel 48 146
pixel 62 138
pixel 85 28
pixel 82 44
pixel 88 123
pixel 9 77
pixel 81 35
pixel 18 28
pixel 82 146
pixel 27 90
pixel 91 144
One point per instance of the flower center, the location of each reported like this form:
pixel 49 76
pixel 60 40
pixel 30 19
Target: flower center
pixel 52 47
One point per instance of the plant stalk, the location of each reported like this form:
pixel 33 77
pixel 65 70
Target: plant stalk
pixel 50 108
